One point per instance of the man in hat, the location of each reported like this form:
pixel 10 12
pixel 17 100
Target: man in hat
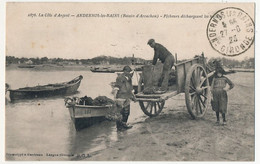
pixel 123 93
pixel 161 53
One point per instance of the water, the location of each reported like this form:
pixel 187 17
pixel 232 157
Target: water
pixel 41 129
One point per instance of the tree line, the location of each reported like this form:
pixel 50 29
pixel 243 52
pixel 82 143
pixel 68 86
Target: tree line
pixel 228 62
pixel 96 60
pixel 232 63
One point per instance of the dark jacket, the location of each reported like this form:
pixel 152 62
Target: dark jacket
pixel 160 52
pixel 124 84
pixel 220 83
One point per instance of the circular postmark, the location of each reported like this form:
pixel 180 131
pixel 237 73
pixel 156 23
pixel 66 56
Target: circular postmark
pixel 231 31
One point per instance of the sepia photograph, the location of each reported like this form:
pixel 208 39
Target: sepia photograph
pixel 121 81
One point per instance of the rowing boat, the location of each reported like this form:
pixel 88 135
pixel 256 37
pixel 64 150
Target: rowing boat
pixel 39 91
pixel 84 116
pixel 102 70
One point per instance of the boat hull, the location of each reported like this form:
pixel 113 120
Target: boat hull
pixel 102 71
pixel 26 66
pixel 84 116
pixel 82 123
pixel 45 91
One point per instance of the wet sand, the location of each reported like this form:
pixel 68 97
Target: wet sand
pixel 174 136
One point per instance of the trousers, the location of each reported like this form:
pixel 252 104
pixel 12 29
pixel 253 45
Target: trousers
pixel 125 112
pixel 167 66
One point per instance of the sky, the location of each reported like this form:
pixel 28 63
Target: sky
pixel 84 38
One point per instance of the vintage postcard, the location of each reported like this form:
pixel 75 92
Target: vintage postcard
pixel 118 81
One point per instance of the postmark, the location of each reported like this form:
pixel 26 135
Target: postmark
pixel 230 31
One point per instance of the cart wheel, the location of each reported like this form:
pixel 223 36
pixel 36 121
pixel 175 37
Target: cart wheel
pixel 151 108
pixel 197 91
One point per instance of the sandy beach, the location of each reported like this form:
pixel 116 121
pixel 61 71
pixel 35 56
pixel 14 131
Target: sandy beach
pixel 174 136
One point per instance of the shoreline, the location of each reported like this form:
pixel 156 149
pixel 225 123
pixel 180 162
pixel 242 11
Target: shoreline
pixel 48 67
pixel 243 70
pixel 53 67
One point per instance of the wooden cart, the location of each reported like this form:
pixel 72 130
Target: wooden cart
pixel 192 78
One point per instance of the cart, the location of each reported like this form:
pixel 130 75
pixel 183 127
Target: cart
pixel 192 78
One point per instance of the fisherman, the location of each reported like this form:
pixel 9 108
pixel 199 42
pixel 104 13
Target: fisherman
pixel 123 90
pixel 161 53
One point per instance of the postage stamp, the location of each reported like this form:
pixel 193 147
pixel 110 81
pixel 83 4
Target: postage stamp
pixel 231 31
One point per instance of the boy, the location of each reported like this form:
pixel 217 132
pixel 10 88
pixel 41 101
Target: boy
pixel 219 91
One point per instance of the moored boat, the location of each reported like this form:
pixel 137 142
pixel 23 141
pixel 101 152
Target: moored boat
pixel 64 88
pixel 26 66
pixel 84 116
pixel 112 69
pixel 102 70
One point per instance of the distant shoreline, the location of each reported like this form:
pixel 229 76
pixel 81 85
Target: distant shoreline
pixel 53 67
pixel 49 67
pixel 243 70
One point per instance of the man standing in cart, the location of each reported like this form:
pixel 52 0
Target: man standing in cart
pixel 161 53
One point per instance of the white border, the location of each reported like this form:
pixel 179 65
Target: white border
pixel 2 66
